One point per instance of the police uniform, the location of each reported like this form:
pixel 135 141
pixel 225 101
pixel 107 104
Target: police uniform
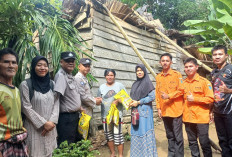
pixel 70 104
pixel 88 102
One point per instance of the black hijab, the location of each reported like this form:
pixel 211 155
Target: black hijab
pixel 40 84
pixel 142 86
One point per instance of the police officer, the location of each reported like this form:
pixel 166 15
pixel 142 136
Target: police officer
pixel 70 101
pixel 88 102
pixel 87 99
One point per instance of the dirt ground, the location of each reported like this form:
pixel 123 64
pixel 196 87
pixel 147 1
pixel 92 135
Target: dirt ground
pixel 162 143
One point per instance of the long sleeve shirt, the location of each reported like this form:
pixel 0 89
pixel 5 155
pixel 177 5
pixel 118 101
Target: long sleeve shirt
pixel 171 84
pixel 197 111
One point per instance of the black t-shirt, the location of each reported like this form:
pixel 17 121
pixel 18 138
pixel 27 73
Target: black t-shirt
pixel 223 101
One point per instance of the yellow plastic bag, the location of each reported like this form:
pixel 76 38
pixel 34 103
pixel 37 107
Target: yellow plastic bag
pixel 126 99
pixel 110 115
pixel 116 116
pixel 83 125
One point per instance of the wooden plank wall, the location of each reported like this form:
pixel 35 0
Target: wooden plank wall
pixel 112 51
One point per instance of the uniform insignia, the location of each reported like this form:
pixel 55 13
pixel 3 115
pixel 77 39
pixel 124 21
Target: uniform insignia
pixel 70 55
pixel 82 83
pixel 181 81
pixel 87 61
pixel 210 87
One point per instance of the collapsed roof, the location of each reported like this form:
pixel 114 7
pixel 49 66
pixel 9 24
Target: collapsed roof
pixel 74 8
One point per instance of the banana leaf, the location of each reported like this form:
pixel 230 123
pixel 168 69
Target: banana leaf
pixel 228 31
pixel 205 50
pixel 227 2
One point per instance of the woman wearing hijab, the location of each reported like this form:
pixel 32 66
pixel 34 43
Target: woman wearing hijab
pixel 41 110
pixel 142 135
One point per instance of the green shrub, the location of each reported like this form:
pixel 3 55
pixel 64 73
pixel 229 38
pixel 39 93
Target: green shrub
pixel 79 149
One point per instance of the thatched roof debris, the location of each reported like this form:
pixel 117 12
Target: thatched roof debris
pixel 206 59
pixel 178 36
pixel 79 12
pixel 175 34
pixel 72 7
pixel 118 9
pixel 122 11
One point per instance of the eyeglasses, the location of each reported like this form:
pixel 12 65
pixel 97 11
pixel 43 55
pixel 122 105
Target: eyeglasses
pixel 70 60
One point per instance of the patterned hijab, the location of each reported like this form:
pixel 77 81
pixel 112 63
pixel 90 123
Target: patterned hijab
pixel 142 86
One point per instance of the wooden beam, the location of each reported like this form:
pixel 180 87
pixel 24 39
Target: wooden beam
pixel 130 12
pixel 130 42
pixel 80 17
pixel 174 44
pixel 86 24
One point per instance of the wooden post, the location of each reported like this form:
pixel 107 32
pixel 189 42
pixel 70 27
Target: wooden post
pixel 130 42
pixel 174 44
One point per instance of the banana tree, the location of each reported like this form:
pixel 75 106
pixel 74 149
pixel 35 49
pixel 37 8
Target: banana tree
pixel 217 29
pixel 36 27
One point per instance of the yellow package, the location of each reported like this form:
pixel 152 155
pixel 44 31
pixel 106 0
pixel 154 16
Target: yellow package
pixel 126 99
pixel 116 116
pixel 110 115
pixel 83 125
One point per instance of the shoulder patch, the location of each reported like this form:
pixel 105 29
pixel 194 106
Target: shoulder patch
pixel 210 86
pixel 82 83
pixel 181 80
pixel 228 71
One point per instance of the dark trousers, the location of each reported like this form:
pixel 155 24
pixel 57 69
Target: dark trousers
pixel 174 133
pixel 223 125
pixel 67 128
pixel 201 131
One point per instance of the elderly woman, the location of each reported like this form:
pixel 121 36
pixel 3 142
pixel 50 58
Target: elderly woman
pixel 142 135
pixel 41 109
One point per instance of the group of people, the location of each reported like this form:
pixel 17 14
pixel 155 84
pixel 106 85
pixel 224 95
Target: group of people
pixel 195 102
pixel 31 116
pixel 41 114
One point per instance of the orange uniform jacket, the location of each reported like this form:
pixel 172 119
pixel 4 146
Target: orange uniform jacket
pixel 172 84
pixel 198 110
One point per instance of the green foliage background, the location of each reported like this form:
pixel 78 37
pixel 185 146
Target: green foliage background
pixel 216 29
pixel 172 13
pixel 19 19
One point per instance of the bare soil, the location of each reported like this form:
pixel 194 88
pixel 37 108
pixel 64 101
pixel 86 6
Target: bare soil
pixel 161 141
